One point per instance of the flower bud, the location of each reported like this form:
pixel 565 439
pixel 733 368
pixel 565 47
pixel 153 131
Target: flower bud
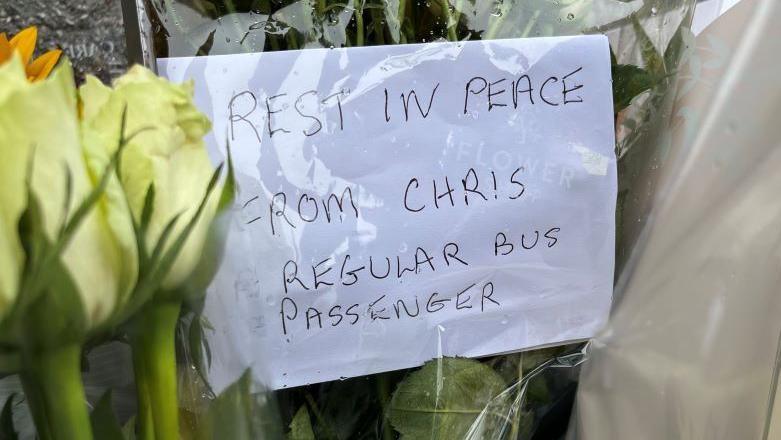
pixel 40 143
pixel 168 154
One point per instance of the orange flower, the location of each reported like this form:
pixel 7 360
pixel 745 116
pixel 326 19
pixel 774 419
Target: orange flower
pixel 24 44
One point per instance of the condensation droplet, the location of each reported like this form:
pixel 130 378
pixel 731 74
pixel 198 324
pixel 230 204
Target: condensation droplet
pixel 497 10
pixel 333 17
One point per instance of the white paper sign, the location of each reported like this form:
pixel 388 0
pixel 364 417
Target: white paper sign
pixel 401 203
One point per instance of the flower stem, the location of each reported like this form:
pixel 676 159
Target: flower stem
pixel 144 420
pixel 154 361
pixel 450 23
pixel 55 393
pixel 358 7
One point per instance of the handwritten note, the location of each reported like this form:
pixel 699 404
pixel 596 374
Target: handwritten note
pixel 400 203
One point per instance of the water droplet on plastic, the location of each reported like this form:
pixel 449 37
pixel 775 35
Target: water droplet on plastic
pixel 570 16
pixel 497 10
pixel 333 17
pixel 654 11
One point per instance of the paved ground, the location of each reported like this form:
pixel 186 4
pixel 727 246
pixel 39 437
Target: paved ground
pixel 89 31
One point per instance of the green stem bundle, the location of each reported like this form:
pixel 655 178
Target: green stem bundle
pixel 52 383
pixel 450 22
pixel 359 38
pixel 154 361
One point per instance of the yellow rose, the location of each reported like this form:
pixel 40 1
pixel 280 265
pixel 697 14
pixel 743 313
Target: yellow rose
pixel 39 132
pixel 165 161
pixel 167 154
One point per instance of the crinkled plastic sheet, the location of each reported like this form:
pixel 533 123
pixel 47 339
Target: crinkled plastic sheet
pixel 539 385
pixel 691 350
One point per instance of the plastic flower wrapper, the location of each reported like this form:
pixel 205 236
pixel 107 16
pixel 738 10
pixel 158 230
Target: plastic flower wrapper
pixel 68 258
pixel 168 180
pixel 518 395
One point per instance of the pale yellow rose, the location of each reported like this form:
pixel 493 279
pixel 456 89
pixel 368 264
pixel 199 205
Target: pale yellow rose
pixel 39 131
pixel 168 153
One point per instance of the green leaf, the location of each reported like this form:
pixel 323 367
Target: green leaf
pixel 162 258
pixel 96 193
pixel 35 245
pixel 163 239
pixel 392 10
pixel 654 62
pixel 49 311
pixel 67 199
pixel 199 347
pixel 444 398
pixel 44 269
pixel 299 15
pixel 228 194
pixel 629 81
pixel 10 358
pixel 207 45
pixel 681 42
pixel 129 429
pixel 104 423
pixel 537 391
pixel 232 412
pixel 344 408
pixel 146 212
pixel 7 431
pixel 301 426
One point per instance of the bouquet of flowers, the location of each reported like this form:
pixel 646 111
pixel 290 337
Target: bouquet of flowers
pixel 113 219
pixel 525 395
pixel 110 224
